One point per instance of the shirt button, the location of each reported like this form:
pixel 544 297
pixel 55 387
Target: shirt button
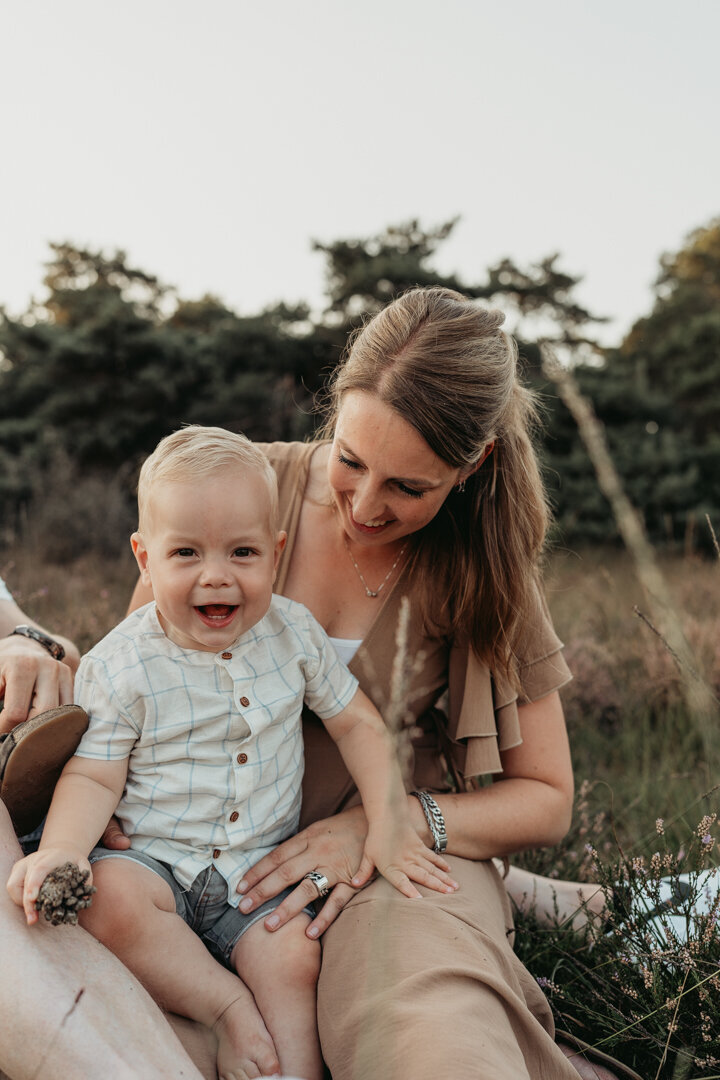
pixel 227 656
pixel 244 702
pixel 234 816
pixel 242 758
pixel 217 853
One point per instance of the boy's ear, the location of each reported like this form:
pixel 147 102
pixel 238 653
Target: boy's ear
pixel 141 557
pixel 279 546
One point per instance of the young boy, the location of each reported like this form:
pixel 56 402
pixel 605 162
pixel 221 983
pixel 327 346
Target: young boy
pixel 195 742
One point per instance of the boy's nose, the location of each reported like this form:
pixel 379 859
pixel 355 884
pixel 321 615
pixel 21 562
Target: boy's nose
pixel 215 573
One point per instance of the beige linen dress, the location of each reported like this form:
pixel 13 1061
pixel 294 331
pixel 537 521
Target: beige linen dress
pixel 427 989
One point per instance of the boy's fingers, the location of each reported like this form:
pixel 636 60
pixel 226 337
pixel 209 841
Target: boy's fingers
pixel 364 872
pixel 403 884
pixel 114 838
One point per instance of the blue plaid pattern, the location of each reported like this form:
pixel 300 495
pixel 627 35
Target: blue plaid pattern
pixel 210 736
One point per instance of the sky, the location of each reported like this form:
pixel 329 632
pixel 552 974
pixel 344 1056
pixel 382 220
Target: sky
pixel 214 141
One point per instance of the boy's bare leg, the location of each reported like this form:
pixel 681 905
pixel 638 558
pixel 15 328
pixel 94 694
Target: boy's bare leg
pixel 69 1008
pixel 133 914
pixel 281 969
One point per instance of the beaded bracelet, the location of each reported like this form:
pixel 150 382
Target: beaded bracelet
pixel 434 817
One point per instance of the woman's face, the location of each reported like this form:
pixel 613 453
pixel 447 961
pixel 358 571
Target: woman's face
pixel 386 481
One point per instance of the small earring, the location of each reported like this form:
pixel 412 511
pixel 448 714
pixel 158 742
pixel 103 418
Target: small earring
pixel 460 487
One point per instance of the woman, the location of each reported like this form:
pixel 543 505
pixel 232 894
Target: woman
pixel 429 490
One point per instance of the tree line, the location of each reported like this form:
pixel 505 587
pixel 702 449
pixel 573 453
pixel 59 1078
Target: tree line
pixel 112 359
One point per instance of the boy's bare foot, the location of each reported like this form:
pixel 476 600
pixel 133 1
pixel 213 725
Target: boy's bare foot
pixel 245 1047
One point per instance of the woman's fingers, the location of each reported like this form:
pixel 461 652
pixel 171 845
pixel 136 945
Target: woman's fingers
pixel 335 902
pixel 306 893
pixel 274 863
pixel 273 883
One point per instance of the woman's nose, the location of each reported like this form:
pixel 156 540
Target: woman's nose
pixel 368 504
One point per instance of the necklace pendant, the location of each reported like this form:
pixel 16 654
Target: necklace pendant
pixel 372 594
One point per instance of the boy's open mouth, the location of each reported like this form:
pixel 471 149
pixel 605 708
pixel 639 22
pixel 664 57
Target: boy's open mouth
pixel 216 614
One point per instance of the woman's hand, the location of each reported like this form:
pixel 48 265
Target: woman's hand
pixel 333 846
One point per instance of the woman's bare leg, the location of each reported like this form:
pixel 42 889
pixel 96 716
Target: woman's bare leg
pixel 71 1006
pixel 555 901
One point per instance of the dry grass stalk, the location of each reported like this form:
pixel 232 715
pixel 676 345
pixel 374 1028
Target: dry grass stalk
pixel 400 721
pixel 698 696
pixel 714 537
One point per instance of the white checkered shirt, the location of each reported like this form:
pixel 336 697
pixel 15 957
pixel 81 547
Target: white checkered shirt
pixel 214 739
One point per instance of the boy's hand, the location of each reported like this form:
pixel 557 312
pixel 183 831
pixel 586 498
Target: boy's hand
pixel 398 853
pixel 29 873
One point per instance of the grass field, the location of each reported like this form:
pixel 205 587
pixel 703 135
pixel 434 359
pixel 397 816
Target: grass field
pixel 639 756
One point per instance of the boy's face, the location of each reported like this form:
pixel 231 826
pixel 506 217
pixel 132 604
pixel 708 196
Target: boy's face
pixel 208 553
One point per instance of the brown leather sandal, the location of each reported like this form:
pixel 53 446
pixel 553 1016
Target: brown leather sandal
pixel 32 757
pixel 610 1065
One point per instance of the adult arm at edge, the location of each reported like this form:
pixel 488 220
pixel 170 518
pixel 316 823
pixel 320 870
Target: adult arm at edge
pixel 31 680
pixel 142 594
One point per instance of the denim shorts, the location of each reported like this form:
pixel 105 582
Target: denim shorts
pixel 204 905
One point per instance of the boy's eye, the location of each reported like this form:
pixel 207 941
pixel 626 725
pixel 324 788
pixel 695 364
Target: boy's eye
pixel 185 553
pixel 242 552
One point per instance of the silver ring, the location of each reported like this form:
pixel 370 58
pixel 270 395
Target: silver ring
pixel 320 882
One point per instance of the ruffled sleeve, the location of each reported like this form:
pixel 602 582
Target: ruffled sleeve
pixel 483 708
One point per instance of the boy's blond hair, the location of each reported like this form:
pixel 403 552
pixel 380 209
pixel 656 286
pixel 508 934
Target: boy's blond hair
pixel 194 452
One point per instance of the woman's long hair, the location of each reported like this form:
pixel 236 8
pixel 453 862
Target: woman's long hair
pixel 444 364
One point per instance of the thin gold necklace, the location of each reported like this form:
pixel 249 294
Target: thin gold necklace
pixel 373 593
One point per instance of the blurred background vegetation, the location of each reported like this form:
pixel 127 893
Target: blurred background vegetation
pixel 92 376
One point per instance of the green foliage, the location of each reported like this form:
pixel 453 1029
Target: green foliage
pixel 658 396
pixel 112 360
pixel 100 372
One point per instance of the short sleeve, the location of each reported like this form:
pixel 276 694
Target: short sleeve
pixel 5 592
pixel 330 686
pixel 111 734
pixel 483 716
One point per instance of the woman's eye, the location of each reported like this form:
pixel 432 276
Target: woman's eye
pixel 349 462
pixel 412 492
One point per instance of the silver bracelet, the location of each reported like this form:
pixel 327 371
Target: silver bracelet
pixel 434 817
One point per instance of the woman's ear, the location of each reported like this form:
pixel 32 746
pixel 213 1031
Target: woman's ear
pixel 141 557
pixel 489 447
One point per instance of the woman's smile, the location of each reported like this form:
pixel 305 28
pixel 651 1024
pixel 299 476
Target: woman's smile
pixel 386 481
